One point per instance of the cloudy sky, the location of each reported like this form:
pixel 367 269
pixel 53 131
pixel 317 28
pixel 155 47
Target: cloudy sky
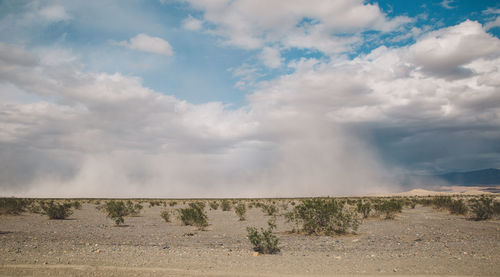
pixel 211 98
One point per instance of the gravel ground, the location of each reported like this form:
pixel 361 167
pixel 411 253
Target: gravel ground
pixel 420 241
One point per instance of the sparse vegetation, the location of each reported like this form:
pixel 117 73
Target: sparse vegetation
pixel 319 216
pixel 270 209
pixel 225 205
pixel 264 242
pixel 364 208
pixel 240 211
pixel 116 210
pixel 458 206
pixel 194 215
pixel 214 205
pixel 56 210
pixel 13 206
pixel 133 209
pixel 482 208
pixel 165 215
pixel 389 208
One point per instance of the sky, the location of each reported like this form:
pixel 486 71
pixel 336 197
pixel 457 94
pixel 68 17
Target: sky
pixel 244 98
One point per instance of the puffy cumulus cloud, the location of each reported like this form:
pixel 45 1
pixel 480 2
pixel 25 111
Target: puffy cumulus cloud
pixel 145 43
pixel 251 24
pixel 446 51
pixel 405 101
pixel 76 133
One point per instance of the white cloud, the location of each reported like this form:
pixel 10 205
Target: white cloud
pixel 191 23
pixel 54 13
pixel 244 23
pixel 445 51
pixel 270 57
pixel 145 43
pixel 304 133
pixel 492 24
pixel 447 4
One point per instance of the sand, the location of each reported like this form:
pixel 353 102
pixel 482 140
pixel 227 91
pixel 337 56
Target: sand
pixel 420 241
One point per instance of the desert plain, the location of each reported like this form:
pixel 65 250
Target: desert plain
pixel 419 241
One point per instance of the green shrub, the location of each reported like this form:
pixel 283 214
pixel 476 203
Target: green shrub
pixel 442 202
pixel 77 205
pixel 194 215
pixel 172 203
pixel 483 208
pixel 214 205
pixel 153 203
pixel 13 206
pixel 264 242
pixel 240 211
pixel 116 210
pixel 458 207
pixel 270 209
pixel 165 215
pixel 496 208
pixel 389 207
pixel 319 216
pixel 364 208
pixel 56 210
pixel 35 208
pixel 225 205
pixel 133 209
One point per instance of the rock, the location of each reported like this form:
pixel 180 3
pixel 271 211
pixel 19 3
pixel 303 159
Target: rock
pixel 255 254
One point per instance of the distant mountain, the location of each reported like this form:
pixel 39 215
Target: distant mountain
pixel 490 176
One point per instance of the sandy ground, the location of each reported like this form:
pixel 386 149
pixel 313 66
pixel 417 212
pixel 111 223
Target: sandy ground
pixel 420 241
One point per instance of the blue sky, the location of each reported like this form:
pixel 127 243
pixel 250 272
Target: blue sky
pixel 410 85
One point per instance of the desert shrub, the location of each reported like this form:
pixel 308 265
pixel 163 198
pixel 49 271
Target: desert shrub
pixel 458 206
pixel 496 208
pixel 194 215
pixel 172 203
pixel 56 210
pixel 425 202
pixel 225 205
pixel 133 209
pixel 153 203
pixel 264 242
pixel 270 209
pixel 77 205
pixel 389 208
pixel 13 206
pixel 165 215
pixel 413 203
pixel 364 208
pixel 319 216
pixel 292 203
pixel 116 210
pixel 214 205
pixel 482 208
pixel 35 208
pixel 284 206
pixel 442 202
pixel 240 211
